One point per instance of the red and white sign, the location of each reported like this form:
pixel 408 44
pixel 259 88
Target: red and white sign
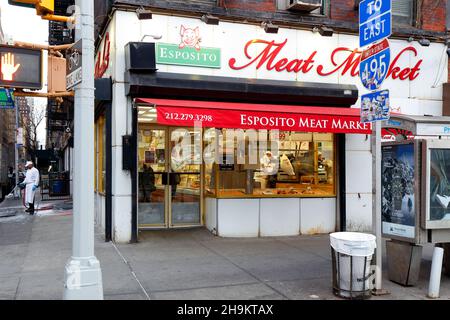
pixel 272 58
pixel 238 119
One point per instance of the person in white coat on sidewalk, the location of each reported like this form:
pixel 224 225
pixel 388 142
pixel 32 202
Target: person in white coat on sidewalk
pixel 31 183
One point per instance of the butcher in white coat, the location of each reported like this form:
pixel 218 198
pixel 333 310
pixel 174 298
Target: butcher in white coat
pixel 31 183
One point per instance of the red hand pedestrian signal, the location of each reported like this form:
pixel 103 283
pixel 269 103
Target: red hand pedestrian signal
pixel 8 68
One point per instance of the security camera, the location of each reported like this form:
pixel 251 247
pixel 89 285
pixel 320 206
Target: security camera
pixel 68 130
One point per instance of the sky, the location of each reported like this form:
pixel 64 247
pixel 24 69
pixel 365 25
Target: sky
pixel 22 24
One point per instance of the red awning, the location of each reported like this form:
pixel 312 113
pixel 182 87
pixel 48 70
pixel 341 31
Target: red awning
pixel 258 116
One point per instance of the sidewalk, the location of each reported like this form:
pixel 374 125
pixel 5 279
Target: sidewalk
pixel 179 264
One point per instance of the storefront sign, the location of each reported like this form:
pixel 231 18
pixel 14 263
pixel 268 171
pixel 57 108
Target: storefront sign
pixel 103 58
pixel 375 65
pixel 271 58
pixel 217 118
pixel 398 209
pixel 187 56
pixel 424 129
pixel 375 106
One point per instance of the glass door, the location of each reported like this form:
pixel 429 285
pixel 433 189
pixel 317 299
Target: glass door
pixel 152 169
pixel 169 177
pixel 185 177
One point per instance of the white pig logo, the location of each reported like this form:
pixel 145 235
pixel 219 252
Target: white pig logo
pixel 190 38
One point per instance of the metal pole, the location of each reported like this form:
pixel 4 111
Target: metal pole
pixel 16 152
pixel 376 205
pixel 83 277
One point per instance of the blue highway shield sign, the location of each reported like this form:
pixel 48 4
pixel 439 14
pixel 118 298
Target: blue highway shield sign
pixel 375 21
pixel 374 65
pixel 375 106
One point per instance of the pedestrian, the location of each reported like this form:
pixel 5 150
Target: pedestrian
pixel 31 183
pixel 11 178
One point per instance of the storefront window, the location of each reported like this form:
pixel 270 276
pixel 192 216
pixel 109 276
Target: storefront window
pixel 295 164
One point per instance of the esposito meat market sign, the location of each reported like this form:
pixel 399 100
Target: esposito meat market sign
pixel 272 57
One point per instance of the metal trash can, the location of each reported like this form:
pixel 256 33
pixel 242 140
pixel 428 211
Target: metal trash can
pixel 351 254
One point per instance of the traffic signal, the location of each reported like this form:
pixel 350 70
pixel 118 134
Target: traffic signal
pixel 20 68
pixel 43 7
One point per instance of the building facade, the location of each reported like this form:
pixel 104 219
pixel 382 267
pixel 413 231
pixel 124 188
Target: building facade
pixel 302 80
pixel 7 135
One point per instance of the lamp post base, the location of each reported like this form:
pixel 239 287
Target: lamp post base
pixel 83 279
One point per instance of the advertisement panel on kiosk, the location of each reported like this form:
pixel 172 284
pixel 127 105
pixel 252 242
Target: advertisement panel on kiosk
pixel 400 194
pixel 436 186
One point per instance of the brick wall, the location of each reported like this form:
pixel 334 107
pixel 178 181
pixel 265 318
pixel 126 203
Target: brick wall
pixel 343 10
pixel 258 5
pixel 433 17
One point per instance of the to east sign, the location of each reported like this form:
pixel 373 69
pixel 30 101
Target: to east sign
pixel 375 21
pixel 375 106
pixel 20 68
pixel 374 65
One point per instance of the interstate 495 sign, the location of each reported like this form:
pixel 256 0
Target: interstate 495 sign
pixel 374 65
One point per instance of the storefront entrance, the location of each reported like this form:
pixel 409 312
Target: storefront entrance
pixel 169 185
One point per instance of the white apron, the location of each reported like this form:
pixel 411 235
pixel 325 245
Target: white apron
pixel 31 179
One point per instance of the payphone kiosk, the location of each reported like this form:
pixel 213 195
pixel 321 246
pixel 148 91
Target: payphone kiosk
pixel 415 187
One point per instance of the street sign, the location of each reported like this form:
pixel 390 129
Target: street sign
pixel 375 21
pixel 19 137
pixel 20 68
pixel 375 106
pixel 374 65
pixel 74 64
pixel 6 99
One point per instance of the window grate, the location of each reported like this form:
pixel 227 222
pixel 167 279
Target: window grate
pixel 402 8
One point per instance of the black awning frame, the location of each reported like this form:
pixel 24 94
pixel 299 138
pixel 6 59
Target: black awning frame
pixel 200 87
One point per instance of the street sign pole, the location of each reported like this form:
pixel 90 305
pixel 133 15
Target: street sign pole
pixel 376 205
pixel 375 24
pixel 83 277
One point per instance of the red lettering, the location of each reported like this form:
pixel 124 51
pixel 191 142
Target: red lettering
pixel 295 65
pixel 396 72
pixel 404 74
pixel 102 63
pixel 351 63
pixel 265 56
pixel 281 65
pixel 309 63
pixel 344 60
pixel 415 71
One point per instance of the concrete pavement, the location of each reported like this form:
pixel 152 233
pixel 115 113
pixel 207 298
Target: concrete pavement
pixel 176 264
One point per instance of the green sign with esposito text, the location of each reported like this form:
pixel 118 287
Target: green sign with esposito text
pixel 188 56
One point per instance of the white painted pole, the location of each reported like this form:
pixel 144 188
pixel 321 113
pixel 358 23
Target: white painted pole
pixel 83 277
pixel 376 203
pixel 16 153
pixel 435 276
